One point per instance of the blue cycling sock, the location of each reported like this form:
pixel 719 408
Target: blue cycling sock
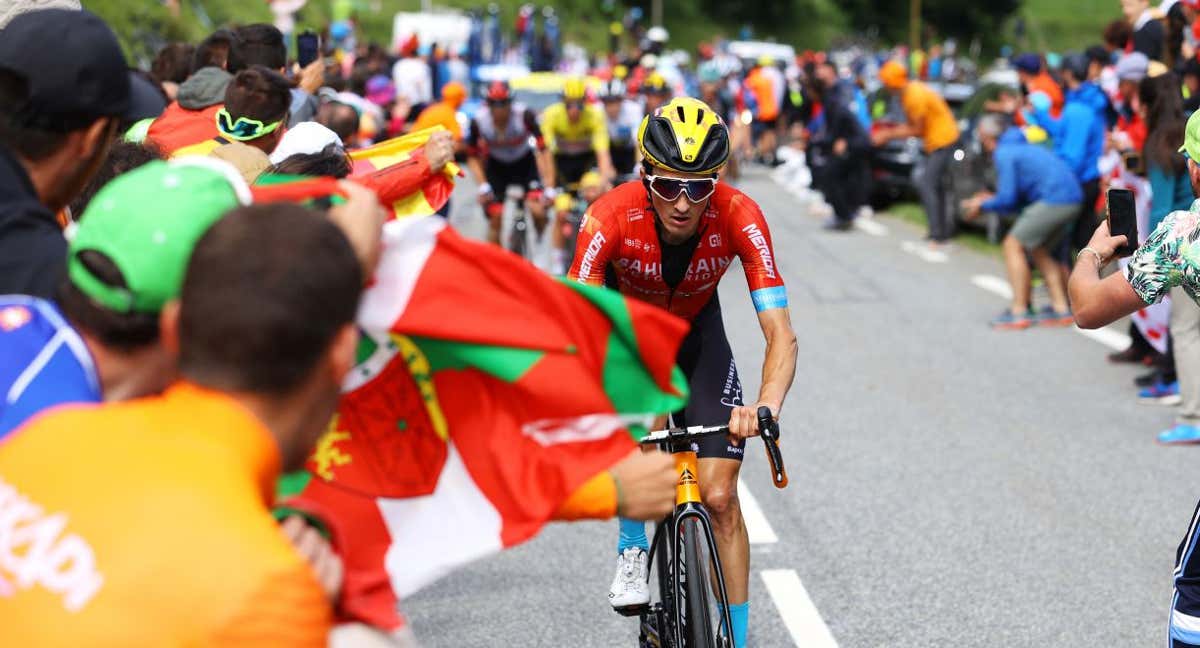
pixel 739 614
pixel 633 534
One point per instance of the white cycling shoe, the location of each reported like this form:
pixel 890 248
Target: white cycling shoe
pixel 629 590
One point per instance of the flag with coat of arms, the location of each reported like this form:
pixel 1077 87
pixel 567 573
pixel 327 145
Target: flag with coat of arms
pixel 485 393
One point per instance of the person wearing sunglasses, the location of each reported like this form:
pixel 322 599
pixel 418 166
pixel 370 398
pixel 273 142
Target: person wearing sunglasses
pixel 576 134
pixel 255 113
pixel 668 239
pixel 504 148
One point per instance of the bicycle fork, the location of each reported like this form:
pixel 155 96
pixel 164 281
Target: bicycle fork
pixel 688 506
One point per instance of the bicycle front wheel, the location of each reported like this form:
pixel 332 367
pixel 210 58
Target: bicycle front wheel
pixel 697 630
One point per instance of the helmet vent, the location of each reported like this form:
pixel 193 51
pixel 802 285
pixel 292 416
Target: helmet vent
pixel 682 118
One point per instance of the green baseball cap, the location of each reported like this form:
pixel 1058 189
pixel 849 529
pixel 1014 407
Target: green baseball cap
pixel 1191 137
pixel 146 222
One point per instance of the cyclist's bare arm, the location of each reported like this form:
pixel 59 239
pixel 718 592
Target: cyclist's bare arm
pixel 541 153
pixel 476 167
pixel 545 165
pixel 604 160
pixel 474 150
pixel 550 173
pixel 779 368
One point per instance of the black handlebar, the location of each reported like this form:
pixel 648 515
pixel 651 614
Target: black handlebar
pixel 768 429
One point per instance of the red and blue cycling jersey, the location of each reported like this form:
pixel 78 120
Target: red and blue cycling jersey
pixel 618 235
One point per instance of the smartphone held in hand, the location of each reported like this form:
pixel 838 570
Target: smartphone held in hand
pixel 308 48
pixel 1122 220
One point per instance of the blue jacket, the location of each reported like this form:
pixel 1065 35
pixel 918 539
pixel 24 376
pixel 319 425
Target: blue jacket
pixel 1078 134
pixel 1090 94
pixel 1027 173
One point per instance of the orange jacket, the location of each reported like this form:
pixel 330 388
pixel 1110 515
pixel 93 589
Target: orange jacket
pixel 147 523
pixel 764 93
pixel 178 127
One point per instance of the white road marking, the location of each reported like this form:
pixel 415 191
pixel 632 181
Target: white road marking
pixel 923 252
pixel 757 527
pixel 994 285
pixel 797 609
pixel 1110 338
pixel 870 226
pixel 1114 340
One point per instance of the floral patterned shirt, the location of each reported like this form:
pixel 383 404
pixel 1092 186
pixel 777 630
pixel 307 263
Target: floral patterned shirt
pixel 1170 257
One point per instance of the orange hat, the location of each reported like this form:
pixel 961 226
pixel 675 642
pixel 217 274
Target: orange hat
pixel 893 75
pixel 454 93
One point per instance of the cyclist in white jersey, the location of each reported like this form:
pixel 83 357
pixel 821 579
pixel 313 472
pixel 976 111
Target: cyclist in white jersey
pixel 505 148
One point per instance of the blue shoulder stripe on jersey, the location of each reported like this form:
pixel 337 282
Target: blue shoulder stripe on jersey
pixel 768 298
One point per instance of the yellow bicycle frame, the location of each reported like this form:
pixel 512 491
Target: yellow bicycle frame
pixel 687 488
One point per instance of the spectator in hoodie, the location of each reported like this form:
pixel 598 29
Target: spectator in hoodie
pixel 64 88
pixel 1078 137
pixel 254 112
pixel 192 117
pixel 1034 183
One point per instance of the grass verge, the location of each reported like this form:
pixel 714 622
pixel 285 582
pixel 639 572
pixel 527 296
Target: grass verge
pixel 968 238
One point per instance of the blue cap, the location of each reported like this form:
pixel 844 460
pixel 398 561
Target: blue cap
pixel 1030 63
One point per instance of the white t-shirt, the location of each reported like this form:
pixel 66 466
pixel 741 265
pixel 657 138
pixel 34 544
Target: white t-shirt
pixel 411 76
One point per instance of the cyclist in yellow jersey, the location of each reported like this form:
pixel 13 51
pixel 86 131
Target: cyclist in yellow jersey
pixel 576 133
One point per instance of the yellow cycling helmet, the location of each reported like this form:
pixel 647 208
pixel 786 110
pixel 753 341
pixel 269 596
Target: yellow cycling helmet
pixel 591 179
pixel 574 90
pixel 684 135
pixel 655 84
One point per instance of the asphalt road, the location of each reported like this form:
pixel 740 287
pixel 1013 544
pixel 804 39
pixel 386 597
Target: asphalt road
pixel 950 485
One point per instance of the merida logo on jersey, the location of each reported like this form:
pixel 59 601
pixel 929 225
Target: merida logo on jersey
pixel 589 257
pixel 34 550
pixel 764 251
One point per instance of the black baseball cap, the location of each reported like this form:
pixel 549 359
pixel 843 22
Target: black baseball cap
pixel 72 66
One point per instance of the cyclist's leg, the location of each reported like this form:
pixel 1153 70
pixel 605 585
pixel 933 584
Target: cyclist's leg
pixel 632 538
pixel 529 178
pixel 498 177
pixel 715 391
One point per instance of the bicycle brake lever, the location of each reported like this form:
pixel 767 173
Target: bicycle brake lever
pixel 768 429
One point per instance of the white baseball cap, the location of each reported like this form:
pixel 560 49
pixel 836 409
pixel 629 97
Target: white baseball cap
pixel 304 138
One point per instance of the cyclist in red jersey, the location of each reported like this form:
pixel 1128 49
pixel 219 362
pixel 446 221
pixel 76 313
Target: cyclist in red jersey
pixel 668 239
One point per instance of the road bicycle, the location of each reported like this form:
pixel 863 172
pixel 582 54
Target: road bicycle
pixel 516 227
pixel 680 615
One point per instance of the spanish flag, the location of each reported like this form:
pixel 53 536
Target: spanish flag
pixel 399 173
